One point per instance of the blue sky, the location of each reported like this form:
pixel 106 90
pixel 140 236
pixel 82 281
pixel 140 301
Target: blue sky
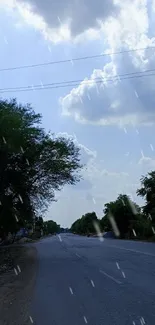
pixel 112 122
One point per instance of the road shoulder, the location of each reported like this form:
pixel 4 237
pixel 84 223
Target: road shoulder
pixel 16 288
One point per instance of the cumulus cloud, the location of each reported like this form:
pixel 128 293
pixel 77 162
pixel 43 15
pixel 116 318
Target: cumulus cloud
pixel 65 20
pixel 147 163
pixel 98 183
pixel 114 94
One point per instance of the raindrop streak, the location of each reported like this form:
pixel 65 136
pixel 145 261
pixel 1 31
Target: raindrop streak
pixel 85 319
pixel 19 269
pixel 123 274
pixel 15 271
pixel 31 319
pixel 94 201
pixel 41 84
pixel 98 231
pixel 27 162
pixel 16 218
pixel 153 230
pixel 72 63
pixel 123 202
pixel 20 198
pixel 4 140
pixel 136 94
pixel 59 19
pixel 33 88
pixel 151 146
pixel 59 237
pixel 133 207
pixel 125 130
pixel 143 320
pixel 114 225
pixel 49 49
pixel 117 265
pixel 88 96
pixel 134 232
pixel 22 150
pixel 92 282
pixel 80 99
pixel 142 153
pixel 71 291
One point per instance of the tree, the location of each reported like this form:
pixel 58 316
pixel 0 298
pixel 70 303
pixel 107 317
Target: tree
pixel 85 224
pixel 147 191
pixel 50 227
pixel 34 164
pixel 124 212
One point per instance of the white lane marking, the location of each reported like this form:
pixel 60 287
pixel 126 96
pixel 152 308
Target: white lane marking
pixel 85 319
pixel 71 291
pixel 117 265
pixel 131 250
pixel 123 274
pixel 111 277
pixel 15 271
pixel 92 282
pixel 31 320
pixel 19 269
pixel 78 255
pixel 59 237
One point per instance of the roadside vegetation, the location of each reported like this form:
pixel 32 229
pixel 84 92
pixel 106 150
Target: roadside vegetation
pixel 33 165
pixel 123 217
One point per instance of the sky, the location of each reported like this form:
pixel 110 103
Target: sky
pixel 109 111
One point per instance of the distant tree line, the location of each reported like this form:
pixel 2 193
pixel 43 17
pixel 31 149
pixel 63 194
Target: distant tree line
pixel 123 216
pixel 33 165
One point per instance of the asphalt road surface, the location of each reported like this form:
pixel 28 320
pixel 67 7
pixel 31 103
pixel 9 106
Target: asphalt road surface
pixel 84 281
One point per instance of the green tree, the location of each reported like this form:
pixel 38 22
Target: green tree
pixel 85 224
pixel 34 164
pixel 51 227
pixel 147 191
pixel 124 212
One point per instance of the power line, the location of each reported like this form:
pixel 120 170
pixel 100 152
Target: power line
pixel 41 85
pixel 74 83
pixel 75 59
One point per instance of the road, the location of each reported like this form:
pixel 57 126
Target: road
pixel 84 281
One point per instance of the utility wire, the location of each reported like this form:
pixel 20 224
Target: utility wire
pixel 74 83
pixel 75 59
pixel 41 85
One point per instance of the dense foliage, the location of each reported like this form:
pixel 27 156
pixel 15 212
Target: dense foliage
pixel 33 165
pixel 51 227
pixel 85 224
pixel 123 216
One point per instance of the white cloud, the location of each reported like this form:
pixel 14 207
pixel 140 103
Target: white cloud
pixel 65 20
pixel 99 182
pixel 110 95
pixel 103 185
pixel 147 162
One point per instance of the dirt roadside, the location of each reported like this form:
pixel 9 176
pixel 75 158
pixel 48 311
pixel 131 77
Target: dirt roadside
pixel 16 288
